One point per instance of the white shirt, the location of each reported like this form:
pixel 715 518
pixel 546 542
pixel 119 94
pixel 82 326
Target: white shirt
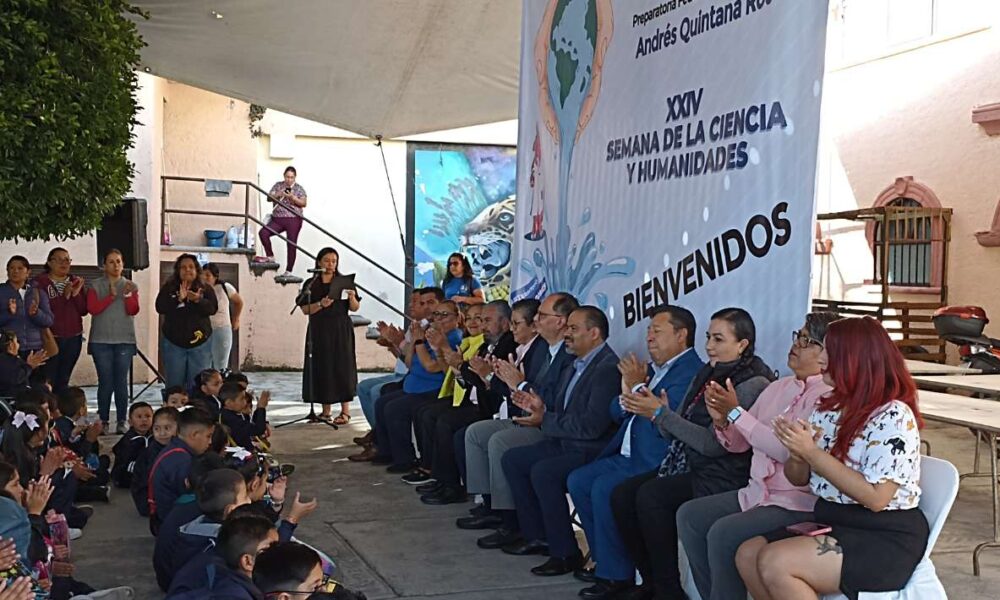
pixel 658 374
pixel 221 317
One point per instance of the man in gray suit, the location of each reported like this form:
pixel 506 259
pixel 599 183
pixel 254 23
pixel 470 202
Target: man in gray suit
pixel 487 441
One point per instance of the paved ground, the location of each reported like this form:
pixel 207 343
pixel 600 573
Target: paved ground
pixel 390 545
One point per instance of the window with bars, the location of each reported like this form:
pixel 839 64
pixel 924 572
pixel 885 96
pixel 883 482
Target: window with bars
pixel 909 246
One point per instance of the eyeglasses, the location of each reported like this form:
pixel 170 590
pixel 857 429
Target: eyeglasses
pixel 804 341
pixel 441 314
pixel 328 584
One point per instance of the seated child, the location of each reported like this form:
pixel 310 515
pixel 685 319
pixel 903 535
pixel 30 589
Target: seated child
pixel 168 476
pixel 132 444
pixel 14 372
pixel 290 570
pixel 74 431
pixel 175 396
pixel 164 429
pixel 191 529
pixel 242 427
pixel 226 570
pixel 206 392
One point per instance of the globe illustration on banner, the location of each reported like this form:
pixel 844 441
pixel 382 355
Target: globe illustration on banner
pixel 573 38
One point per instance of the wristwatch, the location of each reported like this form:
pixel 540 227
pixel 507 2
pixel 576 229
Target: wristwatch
pixel 734 414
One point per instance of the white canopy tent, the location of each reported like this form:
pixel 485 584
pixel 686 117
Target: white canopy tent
pixel 375 67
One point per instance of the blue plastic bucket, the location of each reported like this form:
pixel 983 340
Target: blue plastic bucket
pixel 214 238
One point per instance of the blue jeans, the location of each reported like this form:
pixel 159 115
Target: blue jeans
pixel 112 362
pixel 180 365
pixel 369 391
pixel 60 366
pixel 222 345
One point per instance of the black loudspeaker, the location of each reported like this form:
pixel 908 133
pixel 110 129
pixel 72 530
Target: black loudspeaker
pixel 125 229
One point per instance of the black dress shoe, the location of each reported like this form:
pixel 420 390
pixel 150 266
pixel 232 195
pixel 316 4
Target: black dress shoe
pixel 499 538
pixel 417 477
pixel 483 522
pixel 585 575
pixel 527 548
pixel 448 494
pixel 558 566
pixel 429 488
pixel 604 589
pixel 480 510
pixel 641 592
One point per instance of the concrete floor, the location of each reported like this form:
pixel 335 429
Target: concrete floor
pixel 389 545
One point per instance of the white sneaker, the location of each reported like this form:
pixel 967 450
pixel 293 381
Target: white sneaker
pixel 118 593
pixel 75 534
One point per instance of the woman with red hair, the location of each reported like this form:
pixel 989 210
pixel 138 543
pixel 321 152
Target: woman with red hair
pixel 860 454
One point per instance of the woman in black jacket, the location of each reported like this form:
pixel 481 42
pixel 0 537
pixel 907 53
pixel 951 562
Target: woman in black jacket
pixel 186 305
pixel 696 464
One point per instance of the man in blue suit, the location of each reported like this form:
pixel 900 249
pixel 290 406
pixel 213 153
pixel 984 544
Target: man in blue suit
pixel 637 448
pixel 576 424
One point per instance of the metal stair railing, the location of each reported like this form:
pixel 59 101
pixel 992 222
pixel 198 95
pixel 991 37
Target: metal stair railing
pixel 248 218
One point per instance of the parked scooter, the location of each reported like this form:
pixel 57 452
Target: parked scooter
pixel 963 326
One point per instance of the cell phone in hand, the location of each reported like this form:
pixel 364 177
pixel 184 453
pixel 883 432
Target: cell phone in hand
pixel 809 529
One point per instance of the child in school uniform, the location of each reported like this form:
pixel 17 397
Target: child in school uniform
pixel 164 429
pixel 132 444
pixel 206 392
pixel 168 476
pixel 242 427
pixel 175 396
pixel 74 432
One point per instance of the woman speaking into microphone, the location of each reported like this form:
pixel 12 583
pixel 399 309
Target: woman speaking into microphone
pixel 330 372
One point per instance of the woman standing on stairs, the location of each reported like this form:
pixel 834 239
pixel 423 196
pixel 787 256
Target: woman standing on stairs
pixel 286 217
pixel 332 332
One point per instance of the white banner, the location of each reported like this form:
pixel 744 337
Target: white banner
pixel 667 154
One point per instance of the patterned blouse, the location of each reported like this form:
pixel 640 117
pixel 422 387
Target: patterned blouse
pixel 887 449
pixel 278 191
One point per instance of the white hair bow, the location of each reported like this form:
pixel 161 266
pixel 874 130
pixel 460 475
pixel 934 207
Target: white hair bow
pixel 239 452
pixel 20 418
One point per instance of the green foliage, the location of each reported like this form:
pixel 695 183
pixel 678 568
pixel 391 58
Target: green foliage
pixel 67 108
pixel 254 116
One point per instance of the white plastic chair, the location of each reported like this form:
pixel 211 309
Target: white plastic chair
pixel 938 488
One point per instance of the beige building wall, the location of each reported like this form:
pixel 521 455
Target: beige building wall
pixel 907 112
pixel 188 132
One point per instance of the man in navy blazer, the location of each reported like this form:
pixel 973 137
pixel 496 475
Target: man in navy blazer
pixel 576 424
pixel 637 448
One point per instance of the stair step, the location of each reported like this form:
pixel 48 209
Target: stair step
pixel 259 268
pixel 287 279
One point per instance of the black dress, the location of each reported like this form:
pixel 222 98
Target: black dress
pixel 335 363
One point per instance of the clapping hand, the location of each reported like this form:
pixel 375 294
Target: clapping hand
pixel 195 296
pixel 531 403
pixel 94 431
pixel 644 402
pixel 8 554
pixel 264 400
pixel 481 366
pixel 633 371
pixel 54 459
pixel 18 589
pixel 36 359
pixel 37 495
pixel 798 436
pixel 128 288
pixel 508 373
pixel 453 358
pixel 436 338
pixel 12 306
pixel 720 400
pixel 33 308
pixel 300 509
pixel 81 471
pixel 416 332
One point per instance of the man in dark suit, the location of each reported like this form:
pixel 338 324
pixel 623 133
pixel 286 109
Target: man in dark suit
pixel 439 424
pixel 575 420
pixel 487 441
pixel 637 448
